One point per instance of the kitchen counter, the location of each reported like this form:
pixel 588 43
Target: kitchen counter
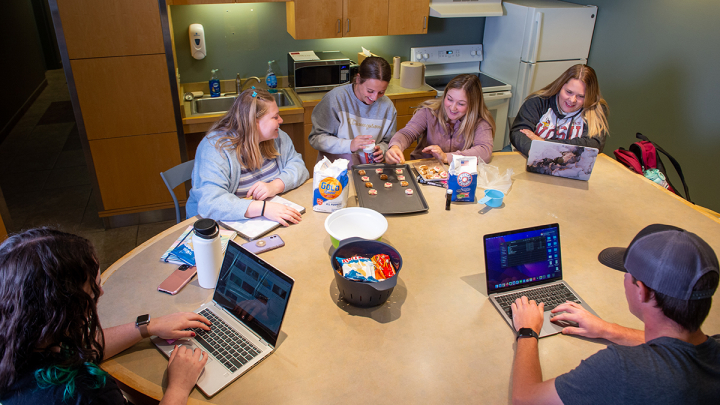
pixel 290 115
pixel 394 92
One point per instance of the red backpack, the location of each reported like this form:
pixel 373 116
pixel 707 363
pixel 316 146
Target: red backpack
pixel 643 158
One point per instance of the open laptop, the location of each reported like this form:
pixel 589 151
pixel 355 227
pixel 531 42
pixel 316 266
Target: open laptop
pixel 561 160
pixel 246 312
pixel 528 262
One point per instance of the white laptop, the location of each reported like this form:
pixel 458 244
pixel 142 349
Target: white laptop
pixel 246 312
pixel 528 262
pixel 561 160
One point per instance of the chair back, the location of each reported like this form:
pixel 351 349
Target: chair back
pixel 174 177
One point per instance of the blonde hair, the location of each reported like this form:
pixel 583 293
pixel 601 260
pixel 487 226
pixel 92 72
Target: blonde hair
pixel 476 112
pixel 595 108
pixel 238 129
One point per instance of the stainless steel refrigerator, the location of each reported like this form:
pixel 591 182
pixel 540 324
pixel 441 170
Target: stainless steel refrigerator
pixel 534 43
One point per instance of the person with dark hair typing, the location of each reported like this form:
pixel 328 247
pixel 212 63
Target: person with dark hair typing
pixel 51 340
pixel 671 277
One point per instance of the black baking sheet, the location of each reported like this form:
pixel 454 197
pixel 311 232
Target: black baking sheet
pixel 391 200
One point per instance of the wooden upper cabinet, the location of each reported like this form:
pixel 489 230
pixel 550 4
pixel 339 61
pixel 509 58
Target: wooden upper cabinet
pixel 185 2
pixel 124 96
pixel 310 19
pixel 408 17
pixel 365 18
pixel 111 28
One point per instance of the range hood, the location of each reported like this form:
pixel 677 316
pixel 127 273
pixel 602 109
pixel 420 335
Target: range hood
pixel 465 8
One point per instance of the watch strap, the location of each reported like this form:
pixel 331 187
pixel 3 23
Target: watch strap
pixel 144 331
pixel 526 333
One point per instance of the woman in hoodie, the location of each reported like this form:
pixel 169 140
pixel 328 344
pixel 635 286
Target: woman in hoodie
pixel 569 110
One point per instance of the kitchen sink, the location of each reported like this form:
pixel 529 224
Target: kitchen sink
pixel 214 105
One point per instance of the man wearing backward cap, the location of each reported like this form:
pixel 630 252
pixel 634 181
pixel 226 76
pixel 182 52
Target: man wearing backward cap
pixel 671 275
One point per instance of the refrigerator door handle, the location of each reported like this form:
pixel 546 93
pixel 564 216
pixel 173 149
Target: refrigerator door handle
pixel 537 26
pixel 522 90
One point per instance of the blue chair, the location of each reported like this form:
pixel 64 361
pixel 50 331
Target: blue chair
pixel 176 176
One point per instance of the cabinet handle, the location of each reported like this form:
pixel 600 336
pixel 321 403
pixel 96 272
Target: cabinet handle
pixel 348 25
pixel 339 31
pixel 424 22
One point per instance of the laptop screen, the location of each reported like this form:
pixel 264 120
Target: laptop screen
pixel 253 291
pixel 522 258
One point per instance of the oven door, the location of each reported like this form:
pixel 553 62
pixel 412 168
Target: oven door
pixel 498 103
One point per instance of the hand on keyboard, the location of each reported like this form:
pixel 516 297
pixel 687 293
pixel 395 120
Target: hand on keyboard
pixel 527 314
pixel 184 369
pixel 177 325
pixel 586 324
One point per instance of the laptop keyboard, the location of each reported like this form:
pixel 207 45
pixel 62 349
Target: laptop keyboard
pixel 228 346
pixel 552 296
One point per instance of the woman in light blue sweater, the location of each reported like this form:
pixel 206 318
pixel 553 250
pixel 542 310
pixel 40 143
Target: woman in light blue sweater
pixel 244 160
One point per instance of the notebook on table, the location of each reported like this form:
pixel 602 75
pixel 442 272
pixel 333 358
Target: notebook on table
pixel 254 228
pixel 528 262
pixel 561 160
pixel 246 312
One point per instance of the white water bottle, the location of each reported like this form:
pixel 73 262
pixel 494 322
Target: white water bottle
pixel 208 251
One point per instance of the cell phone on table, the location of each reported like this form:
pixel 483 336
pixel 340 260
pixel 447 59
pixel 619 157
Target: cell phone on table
pixel 177 280
pixel 264 244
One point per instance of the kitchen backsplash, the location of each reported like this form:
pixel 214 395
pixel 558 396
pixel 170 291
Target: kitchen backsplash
pixel 242 38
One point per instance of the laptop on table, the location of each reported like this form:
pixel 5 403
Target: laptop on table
pixel 561 160
pixel 246 312
pixel 528 262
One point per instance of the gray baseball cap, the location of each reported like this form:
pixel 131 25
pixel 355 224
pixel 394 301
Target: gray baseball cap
pixel 668 259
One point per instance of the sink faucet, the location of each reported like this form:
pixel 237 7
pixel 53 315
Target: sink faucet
pixel 241 88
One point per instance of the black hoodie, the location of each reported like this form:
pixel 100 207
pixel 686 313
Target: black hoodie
pixel 529 117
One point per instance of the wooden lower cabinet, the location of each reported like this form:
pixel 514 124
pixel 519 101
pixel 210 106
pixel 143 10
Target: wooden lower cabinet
pixel 128 171
pixel 406 107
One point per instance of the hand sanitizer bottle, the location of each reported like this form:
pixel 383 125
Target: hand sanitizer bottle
pixel 214 84
pixel 270 78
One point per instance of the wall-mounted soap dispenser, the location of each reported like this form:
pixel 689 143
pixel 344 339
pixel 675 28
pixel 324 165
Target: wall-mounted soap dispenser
pixel 197 41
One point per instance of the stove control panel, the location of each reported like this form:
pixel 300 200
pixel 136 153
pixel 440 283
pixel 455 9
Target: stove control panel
pixel 433 55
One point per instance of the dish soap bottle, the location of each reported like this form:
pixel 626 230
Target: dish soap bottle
pixel 214 84
pixel 270 78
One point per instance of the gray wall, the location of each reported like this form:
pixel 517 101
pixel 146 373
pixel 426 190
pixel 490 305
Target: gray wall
pixel 241 38
pixel 23 67
pixel 657 63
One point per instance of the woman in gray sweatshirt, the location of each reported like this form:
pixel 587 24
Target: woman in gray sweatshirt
pixel 355 115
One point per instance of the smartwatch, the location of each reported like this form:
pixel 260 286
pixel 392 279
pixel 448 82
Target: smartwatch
pixel 526 333
pixel 141 323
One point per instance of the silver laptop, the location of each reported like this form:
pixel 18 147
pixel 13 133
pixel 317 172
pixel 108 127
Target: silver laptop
pixel 561 160
pixel 246 312
pixel 528 262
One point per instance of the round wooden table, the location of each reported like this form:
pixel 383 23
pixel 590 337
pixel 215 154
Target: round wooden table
pixel 438 339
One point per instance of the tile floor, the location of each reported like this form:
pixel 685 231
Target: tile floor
pixel 45 180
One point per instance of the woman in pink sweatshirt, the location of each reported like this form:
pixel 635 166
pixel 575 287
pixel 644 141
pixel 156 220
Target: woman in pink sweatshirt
pixel 459 123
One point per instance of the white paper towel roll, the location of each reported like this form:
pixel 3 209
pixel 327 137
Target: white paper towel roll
pixel 396 67
pixel 412 75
